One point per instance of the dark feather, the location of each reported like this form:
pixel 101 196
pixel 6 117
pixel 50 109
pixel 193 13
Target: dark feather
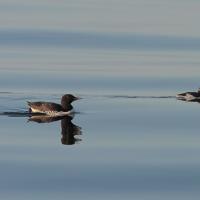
pixel 194 94
pixel 46 106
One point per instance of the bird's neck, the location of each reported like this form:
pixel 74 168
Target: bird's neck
pixel 67 106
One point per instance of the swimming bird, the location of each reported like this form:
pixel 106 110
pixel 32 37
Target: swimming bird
pixel 189 96
pixel 53 109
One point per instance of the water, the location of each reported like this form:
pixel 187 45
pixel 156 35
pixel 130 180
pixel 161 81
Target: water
pixel 130 137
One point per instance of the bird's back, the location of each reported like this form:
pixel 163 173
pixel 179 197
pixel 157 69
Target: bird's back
pixel 44 107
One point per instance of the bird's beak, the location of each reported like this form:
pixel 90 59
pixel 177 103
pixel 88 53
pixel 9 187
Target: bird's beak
pixel 77 98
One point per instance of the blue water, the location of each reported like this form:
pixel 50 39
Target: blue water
pixel 97 40
pixel 130 138
pixel 146 148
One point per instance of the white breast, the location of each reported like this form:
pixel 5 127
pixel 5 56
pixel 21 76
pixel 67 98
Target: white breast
pixel 36 110
pixel 52 113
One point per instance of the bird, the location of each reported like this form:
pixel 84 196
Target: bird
pixel 53 109
pixel 189 96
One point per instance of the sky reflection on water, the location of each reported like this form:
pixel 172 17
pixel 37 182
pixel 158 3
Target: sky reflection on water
pixel 121 57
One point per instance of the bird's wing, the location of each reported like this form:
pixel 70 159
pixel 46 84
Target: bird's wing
pixel 45 106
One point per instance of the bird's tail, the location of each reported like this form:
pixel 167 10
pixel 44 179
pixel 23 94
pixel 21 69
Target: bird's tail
pixel 29 103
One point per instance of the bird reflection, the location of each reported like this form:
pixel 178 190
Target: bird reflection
pixel 68 129
pixel 193 100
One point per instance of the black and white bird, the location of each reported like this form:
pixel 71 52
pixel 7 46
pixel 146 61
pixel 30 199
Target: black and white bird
pixel 189 96
pixel 53 109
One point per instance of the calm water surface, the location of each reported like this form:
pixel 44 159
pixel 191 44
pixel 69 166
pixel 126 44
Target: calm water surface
pixel 137 140
pixel 130 138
